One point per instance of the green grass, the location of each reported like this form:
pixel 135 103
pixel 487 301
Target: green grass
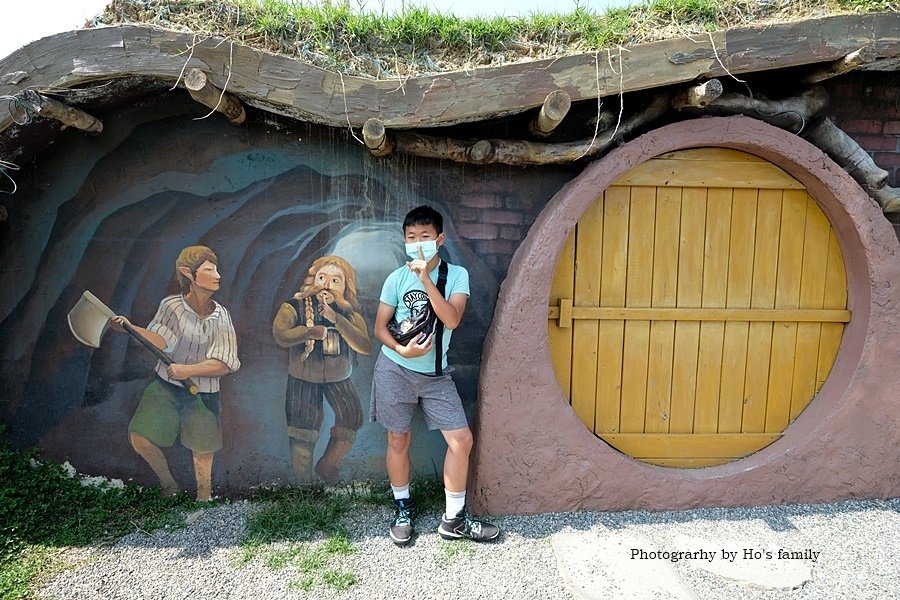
pixel 417 39
pixel 43 509
pixel 302 528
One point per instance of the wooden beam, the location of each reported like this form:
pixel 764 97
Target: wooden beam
pixel 519 152
pixel 861 57
pixel 54 109
pixel 376 138
pixel 792 113
pixel 565 312
pixel 555 108
pixel 209 95
pixel 698 96
pixel 285 85
pixel 852 158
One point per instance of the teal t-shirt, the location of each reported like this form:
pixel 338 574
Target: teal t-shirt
pixel 403 290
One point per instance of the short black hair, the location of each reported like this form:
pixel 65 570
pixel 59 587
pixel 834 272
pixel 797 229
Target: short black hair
pixel 424 215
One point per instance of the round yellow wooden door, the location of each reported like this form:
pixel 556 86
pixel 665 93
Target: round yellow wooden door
pixel 697 308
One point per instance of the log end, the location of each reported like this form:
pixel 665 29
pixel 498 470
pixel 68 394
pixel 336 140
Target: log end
pixel 376 138
pixel 195 80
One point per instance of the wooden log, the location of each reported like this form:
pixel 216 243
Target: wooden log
pixel 863 56
pixel 209 95
pixel 791 113
pixel 852 158
pixel 555 108
pixel 282 84
pixel 520 152
pixel 376 138
pixel 698 96
pixel 54 109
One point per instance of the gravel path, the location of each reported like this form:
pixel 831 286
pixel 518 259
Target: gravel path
pixel 858 542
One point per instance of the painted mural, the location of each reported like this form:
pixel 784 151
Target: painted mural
pixel 324 329
pixel 303 224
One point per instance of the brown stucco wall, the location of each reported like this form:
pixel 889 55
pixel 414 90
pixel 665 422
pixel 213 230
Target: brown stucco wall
pixel 534 455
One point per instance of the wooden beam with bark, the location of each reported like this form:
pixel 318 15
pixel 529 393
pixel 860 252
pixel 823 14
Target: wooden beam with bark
pixel 698 96
pixel 218 100
pixel 852 61
pixel 852 158
pixel 520 152
pixel 792 113
pixel 555 108
pixel 376 139
pixel 42 106
pixel 285 85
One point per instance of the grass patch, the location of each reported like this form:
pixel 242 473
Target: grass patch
pixel 302 528
pixel 417 40
pixel 44 508
pixel 453 551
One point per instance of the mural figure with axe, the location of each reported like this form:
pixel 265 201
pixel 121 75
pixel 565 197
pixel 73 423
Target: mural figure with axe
pixel 323 327
pixel 183 398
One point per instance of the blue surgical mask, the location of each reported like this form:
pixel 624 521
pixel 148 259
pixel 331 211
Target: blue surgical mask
pixel 429 249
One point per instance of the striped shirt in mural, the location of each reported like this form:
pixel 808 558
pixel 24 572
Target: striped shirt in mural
pixel 191 338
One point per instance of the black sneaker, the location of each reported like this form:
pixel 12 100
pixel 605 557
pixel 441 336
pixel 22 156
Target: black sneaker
pixel 464 526
pixel 402 526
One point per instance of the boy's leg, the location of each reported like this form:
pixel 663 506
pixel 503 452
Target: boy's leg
pixel 456 523
pixel 456 462
pixel 398 458
pixel 402 527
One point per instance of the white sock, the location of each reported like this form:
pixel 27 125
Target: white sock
pixel 455 502
pixel 401 493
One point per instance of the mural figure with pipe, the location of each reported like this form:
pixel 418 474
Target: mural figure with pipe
pixel 323 327
pixel 198 335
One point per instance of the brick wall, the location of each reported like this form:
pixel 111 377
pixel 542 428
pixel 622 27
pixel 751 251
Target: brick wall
pixel 866 105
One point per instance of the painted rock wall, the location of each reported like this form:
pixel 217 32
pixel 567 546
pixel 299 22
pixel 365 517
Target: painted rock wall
pixel 110 214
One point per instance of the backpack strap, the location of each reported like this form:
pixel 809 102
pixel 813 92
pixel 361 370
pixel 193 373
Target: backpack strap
pixel 438 325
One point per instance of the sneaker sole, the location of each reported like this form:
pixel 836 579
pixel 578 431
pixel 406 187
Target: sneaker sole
pixel 451 535
pixel 399 541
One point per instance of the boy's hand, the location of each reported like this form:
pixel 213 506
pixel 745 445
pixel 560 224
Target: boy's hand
pixel 419 266
pixel 414 349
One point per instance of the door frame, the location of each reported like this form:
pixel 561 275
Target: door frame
pixel 534 454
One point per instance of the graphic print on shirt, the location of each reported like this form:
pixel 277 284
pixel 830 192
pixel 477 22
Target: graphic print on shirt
pixel 415 301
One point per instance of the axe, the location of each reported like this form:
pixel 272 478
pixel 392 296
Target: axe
pixel 89 320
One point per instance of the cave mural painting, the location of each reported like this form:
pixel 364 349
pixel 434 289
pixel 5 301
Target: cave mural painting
pixel 324 329
pixel 195 343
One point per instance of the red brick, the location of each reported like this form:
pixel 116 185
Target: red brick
pixel 862 126
pixel 478 185
pixel 876 143
pixel 892 127
pixel 496 247
pixel 887 160
pixel 505 217
pixel 477 231
pixel 509 232
pixel 481 201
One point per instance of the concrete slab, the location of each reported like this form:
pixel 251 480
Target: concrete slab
pixel 597 565
pixel 754 564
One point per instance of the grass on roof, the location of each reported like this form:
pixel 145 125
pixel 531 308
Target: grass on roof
pixel 362 40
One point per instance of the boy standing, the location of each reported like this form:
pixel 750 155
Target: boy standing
pixel 415 373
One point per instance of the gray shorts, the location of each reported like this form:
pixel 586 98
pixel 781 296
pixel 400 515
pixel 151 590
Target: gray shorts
pixel 396 391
